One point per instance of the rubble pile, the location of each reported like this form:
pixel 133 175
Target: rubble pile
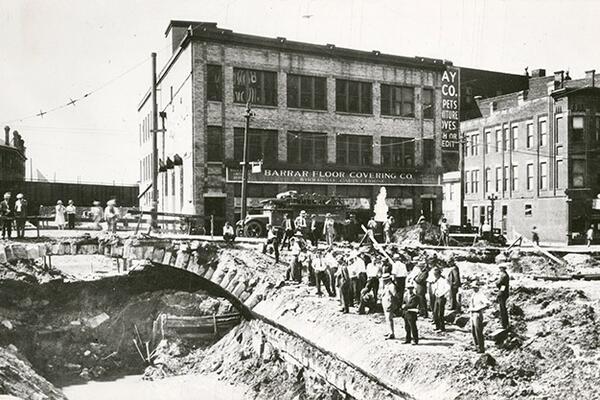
pixel 409 235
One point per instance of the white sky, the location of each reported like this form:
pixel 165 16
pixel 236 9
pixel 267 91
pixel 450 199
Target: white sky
pixel 55 50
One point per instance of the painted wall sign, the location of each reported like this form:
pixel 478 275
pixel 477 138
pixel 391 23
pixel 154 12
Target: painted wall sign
pixel 331 176
pixel 450 108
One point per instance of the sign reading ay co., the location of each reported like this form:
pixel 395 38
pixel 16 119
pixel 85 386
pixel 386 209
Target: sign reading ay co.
pixel 450 108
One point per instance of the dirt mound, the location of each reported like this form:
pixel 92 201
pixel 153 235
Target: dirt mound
pixel 28 271
pixel 409 235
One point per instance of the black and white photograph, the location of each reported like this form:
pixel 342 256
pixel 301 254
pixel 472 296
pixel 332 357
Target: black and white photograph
pixel 299 200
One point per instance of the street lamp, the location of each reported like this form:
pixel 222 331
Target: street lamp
pixel 492 198
pixel 247 115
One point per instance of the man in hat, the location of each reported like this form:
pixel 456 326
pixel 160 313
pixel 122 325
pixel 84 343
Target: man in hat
pixel 356 268
pixel 388 227
pixel 21 214
pixel 477 304
pixel 301 224
pixel 111 215
pixel 399 274
pixel 503 291
pixel 272 240
pixel 329 229
pixel 420 274
pixel 410 311
pixel 440 289
pixel 374 269
pixel 388 300
pixel 288 231
pixel 320 270
pixel 6 214
pixel 455 284
pixel 298 246
pixel 96 214
pixel 344 287
pixel 422 223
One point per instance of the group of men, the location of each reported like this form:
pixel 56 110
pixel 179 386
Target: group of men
pixel 380 283
pixel 10 212
pixel 308 227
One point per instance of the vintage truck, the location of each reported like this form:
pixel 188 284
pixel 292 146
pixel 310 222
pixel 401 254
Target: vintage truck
pixel 291 203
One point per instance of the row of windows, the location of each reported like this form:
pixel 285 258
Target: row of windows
pixel 505 176
pixel 505 139
pixel 310 92
pixel 311 148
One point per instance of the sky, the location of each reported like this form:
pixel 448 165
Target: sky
pixel 55 51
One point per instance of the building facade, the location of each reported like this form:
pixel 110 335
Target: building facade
pixel 325 120
pixel 537 154
pixel 12 157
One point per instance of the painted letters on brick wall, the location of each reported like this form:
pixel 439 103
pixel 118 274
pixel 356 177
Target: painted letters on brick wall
pixel 450 108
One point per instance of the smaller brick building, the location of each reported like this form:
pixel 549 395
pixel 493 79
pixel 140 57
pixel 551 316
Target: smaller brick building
pixel 538 152
pixel 12 156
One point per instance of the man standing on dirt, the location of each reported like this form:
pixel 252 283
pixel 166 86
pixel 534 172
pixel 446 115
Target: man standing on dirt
pixel 273 240
pixel 441 289
pixel 455 284
pixel 21 214
pixel 420 282
pixel 321 276
pixel 314 233
pixel 477 304
pixel 422 226
pixel 589 235
pixel 301 223
pixel 535 236
pixel 410 311
pixel 503 292
pixel 288 231
pixel 388 300
pixel 399 274
pixel 344 287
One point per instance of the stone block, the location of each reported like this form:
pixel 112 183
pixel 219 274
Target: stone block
pixel 116 250
pixel 166 258
pixel 239 290
pixel 228 277
pixel 209 272
pixel 3 258
pixel 33 252
pixel 57 250
pixel 219 273
pixel 148 250
pixel 182 260
pixel 19 251
pixel 158 254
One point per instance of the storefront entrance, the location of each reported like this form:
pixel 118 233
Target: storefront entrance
pixel 214 206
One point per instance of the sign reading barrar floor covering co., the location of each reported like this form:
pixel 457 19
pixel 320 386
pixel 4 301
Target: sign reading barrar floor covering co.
pixel 450 108
pixel 331 176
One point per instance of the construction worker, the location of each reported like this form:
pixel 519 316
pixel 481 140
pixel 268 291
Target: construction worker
pixel 410 311
pixel 321 275
pixel 373 273
pixel 477 304
pixel 441 290
pixel 455 284
pixel 288 231
pixel 399 274
pixel 388 301
pixel 503 291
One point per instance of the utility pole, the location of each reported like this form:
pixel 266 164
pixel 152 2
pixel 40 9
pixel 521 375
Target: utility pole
pixel 154 223
pixel 461 167
pixel 247 116
pixel 163 116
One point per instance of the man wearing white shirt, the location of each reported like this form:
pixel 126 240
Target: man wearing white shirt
pixel 440 289
pixel 332 268
pixel 399 273
pixel 373 272
pixel 356 268
pixel 477 304
pixel 321 276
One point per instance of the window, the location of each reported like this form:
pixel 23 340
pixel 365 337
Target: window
pixel 475 181
pixel 578 173
pixel 514 184
pixel 488 180
pixel 262 144
pixel 257 87
pixel 506 136
pixel 557 173
pixel 306 148
pixel 214 144
pixel 543 132
pixel 429 152
pixel 214 83
pixel 505 180
pixel 397 100
pixel 577 128
pixel 354 150
pixel 488 142
pixel 498 140
pixel 467 181
pixel 428 103
pixel 528 210
pixel 557 123
pixel 397 152
pixel 529 176
pixel 353 97
pixel 475 145
pixel 515 137
pixel 543 175
pixel 529 135
pixel 306 92
pixel 498 178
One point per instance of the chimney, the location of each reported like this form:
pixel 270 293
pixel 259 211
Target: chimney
pixel 590 76
pixel 538 73
pixel 559 78
pixel 7 135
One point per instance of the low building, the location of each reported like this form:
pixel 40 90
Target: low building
pixel 536 153
pixel 12 157
pixel 451 193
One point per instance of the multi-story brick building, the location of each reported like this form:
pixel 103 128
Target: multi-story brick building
pixel 326 120
pixel 12 157
pixel 537 151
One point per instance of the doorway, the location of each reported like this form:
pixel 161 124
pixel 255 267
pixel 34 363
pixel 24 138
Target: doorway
pixel 214 206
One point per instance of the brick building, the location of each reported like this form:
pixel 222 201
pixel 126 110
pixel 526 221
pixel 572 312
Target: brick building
pixel 538 151
pixel 326 120
pixel 12 157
